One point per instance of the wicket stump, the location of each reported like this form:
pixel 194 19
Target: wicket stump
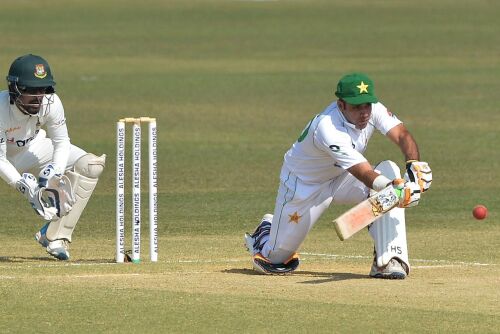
pixel 136 189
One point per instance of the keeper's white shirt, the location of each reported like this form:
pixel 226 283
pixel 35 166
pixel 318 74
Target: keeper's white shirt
pixel 21 134
pixel 329 144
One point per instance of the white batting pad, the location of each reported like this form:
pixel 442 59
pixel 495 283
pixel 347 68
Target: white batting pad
pixel 389 231
pixel 389 235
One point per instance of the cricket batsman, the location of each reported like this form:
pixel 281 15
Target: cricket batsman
pixel 36 156
pixel 326 165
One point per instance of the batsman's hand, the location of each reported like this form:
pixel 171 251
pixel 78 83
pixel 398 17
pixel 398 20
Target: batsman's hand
pixel 420 173
pixel 45 175
pixel 28 186
pixel 408 192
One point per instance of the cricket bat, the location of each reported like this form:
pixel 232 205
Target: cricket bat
pixel 363 214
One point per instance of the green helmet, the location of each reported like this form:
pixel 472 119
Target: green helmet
pixel 31 71
pixel 30 75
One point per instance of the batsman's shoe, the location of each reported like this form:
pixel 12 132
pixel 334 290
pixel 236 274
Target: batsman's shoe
pixel 57 248
pixel 41 237
pixel 264 266
pixel 393 270
pixel 255 241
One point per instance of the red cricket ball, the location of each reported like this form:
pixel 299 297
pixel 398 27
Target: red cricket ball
pixel 480 212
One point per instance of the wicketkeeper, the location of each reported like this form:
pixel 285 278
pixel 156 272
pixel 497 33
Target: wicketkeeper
pixel 34 141
pixel 325 165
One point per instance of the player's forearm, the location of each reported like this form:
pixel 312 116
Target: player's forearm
pixel 409 146
pixel 9 173
pixel 58 132
pixel 402 137
pixel 61 155
pixel 365 173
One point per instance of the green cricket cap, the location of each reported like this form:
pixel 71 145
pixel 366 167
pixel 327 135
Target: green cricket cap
pixel 356 88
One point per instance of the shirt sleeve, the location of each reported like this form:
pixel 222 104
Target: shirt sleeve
pixel 338 145
pixel 7 171
pixel 383 119
pixel 57 131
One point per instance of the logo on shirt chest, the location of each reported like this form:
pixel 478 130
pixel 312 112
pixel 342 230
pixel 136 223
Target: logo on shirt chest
pixel 336 149
pixel 9 130
pixel 22 142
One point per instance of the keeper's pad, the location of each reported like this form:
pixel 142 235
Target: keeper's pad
pixel 389 231
pixel 84 177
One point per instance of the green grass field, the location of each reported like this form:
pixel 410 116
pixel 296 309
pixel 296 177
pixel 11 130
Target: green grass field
pixel 232 84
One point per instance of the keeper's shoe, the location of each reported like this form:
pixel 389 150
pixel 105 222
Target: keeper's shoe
pixel 393 270
pixel 41 237
pixel 264 266
pixel 57 248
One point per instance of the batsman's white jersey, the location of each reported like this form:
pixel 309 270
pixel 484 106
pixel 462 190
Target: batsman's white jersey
pixel 314 174
pixel 329 144
pixel 26 147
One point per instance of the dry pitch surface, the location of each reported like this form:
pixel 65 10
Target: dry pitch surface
pixel 215 291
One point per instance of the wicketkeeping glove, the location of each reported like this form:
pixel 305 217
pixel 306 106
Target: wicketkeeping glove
pixel 59 194
pixel 28 186
pixel 45 175
pixel 420 173
pixel 408 193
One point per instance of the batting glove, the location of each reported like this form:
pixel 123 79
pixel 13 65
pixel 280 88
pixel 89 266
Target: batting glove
pixel 408 193
pixel 420 173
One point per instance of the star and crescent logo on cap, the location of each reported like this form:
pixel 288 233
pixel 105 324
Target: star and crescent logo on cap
pixel 363 88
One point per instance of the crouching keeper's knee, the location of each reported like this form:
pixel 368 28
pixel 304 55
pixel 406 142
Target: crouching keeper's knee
pixel 84 178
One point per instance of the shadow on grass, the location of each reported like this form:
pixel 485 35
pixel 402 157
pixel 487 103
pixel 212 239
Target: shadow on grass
pixel 323 277
pixel 243 271
pixel 331 277
pixel 94 261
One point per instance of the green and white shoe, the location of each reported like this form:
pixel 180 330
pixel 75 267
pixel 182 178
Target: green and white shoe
pixel 57 248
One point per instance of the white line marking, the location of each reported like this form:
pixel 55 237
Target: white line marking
pixel 207 261
pixel 433 262
pixel 52 265
pixel 339 256
pixel 103 275
pixel 443 266
pixel 443 263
